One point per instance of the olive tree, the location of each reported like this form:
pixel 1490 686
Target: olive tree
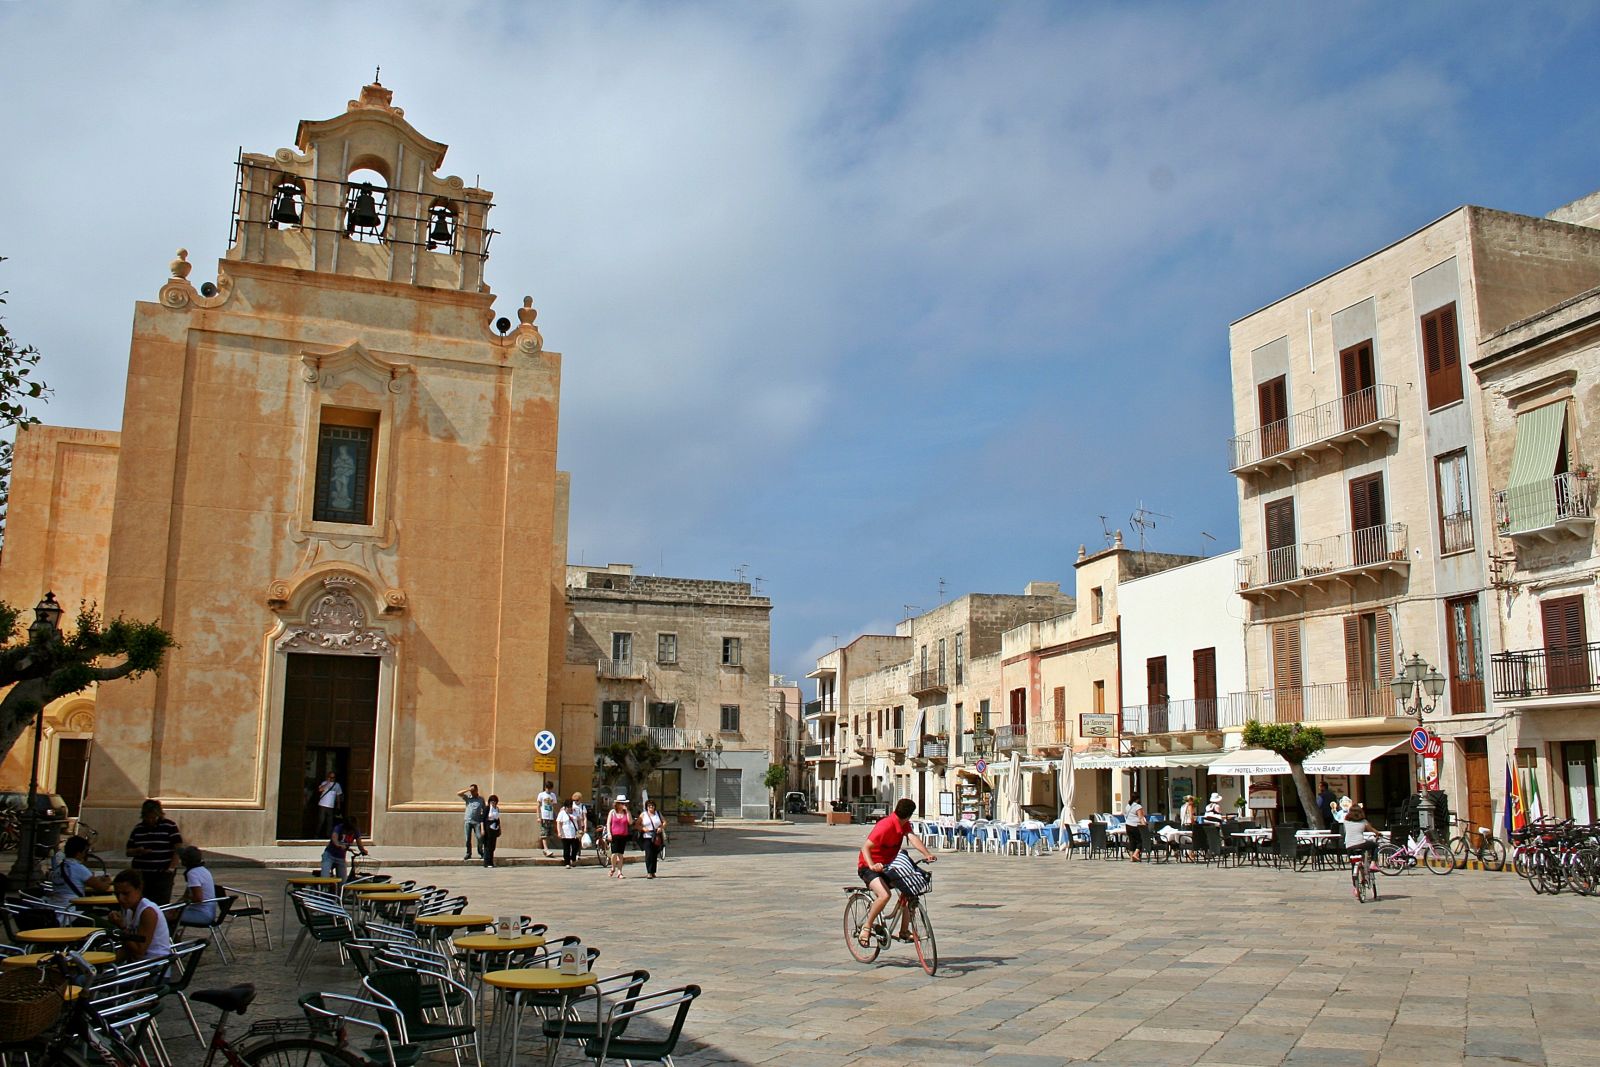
pixel 1296 744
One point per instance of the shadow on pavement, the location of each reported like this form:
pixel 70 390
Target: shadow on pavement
pixel 950 966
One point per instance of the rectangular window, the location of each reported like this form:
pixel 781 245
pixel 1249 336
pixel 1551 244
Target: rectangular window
pixel 1272 404
pixel 1282 559
pixel 1155 681
pixel 1097 604
pixel 961 645
pixel 1058 700
pixel 1534 498
pixel 1369 534
pixel 1466 655
pixel 1441 357
pixel 1566 648
pixel 941 661
pixel 955 731
pixel 730 652
pixel 730 718
pixel 344 468
pixel 1287 680
pixel 1455 502
pixel 1019 707
pixel 1205 689
pixel 983 714
pixel 1099 696
pixel 1357 385
pixel 663 716
pixel 621 647
pixel 666 648
pixel 1368 663
pixel 614 722
pixel 663 787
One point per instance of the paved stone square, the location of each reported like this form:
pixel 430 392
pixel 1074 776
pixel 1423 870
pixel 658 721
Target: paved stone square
pixel 1047 961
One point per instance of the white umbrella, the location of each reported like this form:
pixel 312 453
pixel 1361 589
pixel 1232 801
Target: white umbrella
pixel 1014 790
pixel 1066 787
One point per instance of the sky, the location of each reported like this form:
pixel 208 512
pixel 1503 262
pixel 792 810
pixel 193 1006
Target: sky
pixel 880 303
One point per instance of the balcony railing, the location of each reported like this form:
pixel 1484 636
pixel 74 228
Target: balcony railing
pixel 1010 737
pixel 1543 672
pixel 1455 532
pixel 1048 733
pixel 1562 506
pixel 821 750
pixel 1327 560
pixel 939 750
pixel 1173 717
pixel 624 669
pixel 612 734
pixel 930 680
pixel 1358 417
pixel 667 737
pixel 1327 702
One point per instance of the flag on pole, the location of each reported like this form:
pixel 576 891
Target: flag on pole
pixel 1531 804
pixel 1516 814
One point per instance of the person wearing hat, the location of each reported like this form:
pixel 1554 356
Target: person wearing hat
pixel 1213 812
pixel 618 824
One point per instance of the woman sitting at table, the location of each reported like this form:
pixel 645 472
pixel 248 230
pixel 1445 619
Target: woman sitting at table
pixel 199 889
pixel 144 928
pixel 1213 812
pixel 69 878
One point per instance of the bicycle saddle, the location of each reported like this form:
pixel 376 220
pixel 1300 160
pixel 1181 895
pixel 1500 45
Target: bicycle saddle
pixel 235 998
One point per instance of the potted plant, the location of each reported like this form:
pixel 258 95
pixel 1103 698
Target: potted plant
pixel 687 810
pixel 1581 470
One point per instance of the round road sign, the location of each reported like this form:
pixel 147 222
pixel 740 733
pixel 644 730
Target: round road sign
pixel 544 742
pixel 1419 740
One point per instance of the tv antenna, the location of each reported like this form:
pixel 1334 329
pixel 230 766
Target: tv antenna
pixel 1205 549
pixel 742 570
pixel 941 590
pixel 1145 519
pixel 1111 538
pixel 912 609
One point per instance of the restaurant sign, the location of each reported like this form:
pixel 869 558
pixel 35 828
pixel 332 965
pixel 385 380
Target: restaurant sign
pixel 1095 724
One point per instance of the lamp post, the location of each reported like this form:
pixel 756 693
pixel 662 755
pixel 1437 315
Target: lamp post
pixel 712 750
pixel 983 745
pixel 44 631
pixel 1416 678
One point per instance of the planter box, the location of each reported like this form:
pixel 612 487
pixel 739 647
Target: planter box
pixel 838 818
pixel 685 820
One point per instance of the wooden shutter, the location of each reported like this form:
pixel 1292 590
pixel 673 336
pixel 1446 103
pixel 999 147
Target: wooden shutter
pixel 1384 668
pixel 1369 543
pixel 1281 563
pixel 1566 648
pixel 1272 403
pixel 1286 676
pixel 1356 382
pixel 1155 676
pixel 1205 689
pixel 1441 356
pixel 1355 679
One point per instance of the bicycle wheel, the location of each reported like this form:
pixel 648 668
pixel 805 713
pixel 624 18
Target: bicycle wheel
pixel 1535 873
pixel 1372 884
pixel 1390 861
pixel 1461 849
pixel 300 1052
pixel 922 939
pixel 855 917
pixel 1581 872
pixel 1358 883
pixel 1439 859
pixel 1493 854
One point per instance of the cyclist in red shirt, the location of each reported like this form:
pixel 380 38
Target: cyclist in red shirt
pixel 881 847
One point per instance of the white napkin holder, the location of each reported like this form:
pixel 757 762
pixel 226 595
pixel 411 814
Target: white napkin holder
pixel 506 927
pixel 573 959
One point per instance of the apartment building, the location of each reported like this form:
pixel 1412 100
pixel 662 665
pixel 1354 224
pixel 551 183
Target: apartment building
pixel 1539 387
pixel 1364 538
pixel 1183 657
pixel 1061 684
pixel 910 714
pixel 684 661
pixel 785 704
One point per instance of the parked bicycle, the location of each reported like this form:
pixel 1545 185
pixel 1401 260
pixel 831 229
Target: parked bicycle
pixel 858 902
pixel 1554 855
pixel 1394 859
pixel 1479 844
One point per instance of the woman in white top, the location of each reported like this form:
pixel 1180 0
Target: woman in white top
pixel 199 889
pixel 568 827
pixel 653 836
pixel 1213 812
pixel 1356 830
pixel 1186 813
pixel 1133 819
pixel 144 928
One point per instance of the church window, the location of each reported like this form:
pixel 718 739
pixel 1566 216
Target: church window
pixel 344 467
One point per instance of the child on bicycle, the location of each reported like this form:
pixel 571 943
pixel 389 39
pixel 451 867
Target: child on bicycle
pixel 879 850
pixel 1356 830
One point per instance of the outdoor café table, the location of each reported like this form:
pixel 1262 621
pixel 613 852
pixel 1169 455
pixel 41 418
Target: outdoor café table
pixel 56 935
pixel 543 980
pixel 1254 838
pixel 34 959
pixel 300 881
pixel 486 945
pixel 441 925
pixel 397 900
pixel 102 900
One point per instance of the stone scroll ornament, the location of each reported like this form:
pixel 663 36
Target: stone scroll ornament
pixel 337 623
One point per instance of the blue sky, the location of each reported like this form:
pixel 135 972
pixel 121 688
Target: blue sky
pixel 861 295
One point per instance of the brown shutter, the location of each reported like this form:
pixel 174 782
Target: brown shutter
pixel 1368 543
pixel 1205 689
pixel 1355 679
pixel 1566 649
pixel 1385 665
pixel 1286 675
pixel 1272 404
pixel 1280 523
pixel 1441 356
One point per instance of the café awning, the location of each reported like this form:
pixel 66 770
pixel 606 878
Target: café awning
pixel 1248 761
pixel 1350 759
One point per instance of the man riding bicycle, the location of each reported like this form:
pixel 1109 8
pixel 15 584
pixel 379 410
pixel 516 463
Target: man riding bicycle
pixel 879 850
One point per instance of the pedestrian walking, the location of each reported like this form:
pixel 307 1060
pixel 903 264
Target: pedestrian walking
pixel 1133 821
pixel 618 825
pixel 153 851
pixel 330 795
pixel 581 810
pixel 472 818
pixel 652 836
pixel 491 829
pixel 567 822
pixel 547 816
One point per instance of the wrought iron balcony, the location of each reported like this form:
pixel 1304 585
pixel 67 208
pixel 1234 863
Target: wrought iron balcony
pixel 821 750
pixel 1173 717
pixel 1337 560
pixel 1325 702
pixel 820 709
pixel 628 669
pixel 935 750
pixel 1548 510
pixel 1357 418
pixel 930 680
pixel 1012 737
pixel 1048 733
pixel 668 737
pixel 1546 672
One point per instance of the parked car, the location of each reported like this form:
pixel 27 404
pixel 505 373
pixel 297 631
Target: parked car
pixel 796 803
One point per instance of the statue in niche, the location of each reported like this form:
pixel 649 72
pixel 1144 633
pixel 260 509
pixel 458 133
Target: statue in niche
pixel 342 480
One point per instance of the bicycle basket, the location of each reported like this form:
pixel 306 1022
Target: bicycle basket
pixel 30 1002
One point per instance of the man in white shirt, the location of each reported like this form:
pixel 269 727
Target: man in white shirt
pixel 329 792
pixel 547 816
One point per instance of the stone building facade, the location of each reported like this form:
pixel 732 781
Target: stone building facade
pixel 336 484
pixel 684 661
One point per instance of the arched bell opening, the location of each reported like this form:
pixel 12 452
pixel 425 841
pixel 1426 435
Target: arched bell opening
pixel 288 203
pixel 441 227
pixel 366 205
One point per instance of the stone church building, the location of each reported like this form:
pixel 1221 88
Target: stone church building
pixel 336 485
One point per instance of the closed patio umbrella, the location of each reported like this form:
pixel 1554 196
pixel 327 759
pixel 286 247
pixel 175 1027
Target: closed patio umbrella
pixel 1065 787
pixel 1014 789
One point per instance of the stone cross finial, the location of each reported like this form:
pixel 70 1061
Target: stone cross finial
pixel 526 313
pixel 181 266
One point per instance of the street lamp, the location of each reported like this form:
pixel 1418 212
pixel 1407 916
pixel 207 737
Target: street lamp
pixel 712 749
pixel 983 745
pixel 1417 677
pixel 44 631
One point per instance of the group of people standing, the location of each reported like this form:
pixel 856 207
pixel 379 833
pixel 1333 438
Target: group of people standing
pixel 570 823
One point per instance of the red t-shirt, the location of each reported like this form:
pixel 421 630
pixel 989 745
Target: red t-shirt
pixel 883 843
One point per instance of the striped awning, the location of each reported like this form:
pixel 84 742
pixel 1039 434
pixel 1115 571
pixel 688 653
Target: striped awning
pixel 1530 499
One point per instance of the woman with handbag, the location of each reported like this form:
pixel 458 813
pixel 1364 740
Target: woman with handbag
pixel 567 824
pixel 618 825
pixel 490 834
pixel 652 836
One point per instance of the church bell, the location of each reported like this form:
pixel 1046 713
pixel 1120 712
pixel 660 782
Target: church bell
pixel 363 214
pixel 439 234
pixel 285 212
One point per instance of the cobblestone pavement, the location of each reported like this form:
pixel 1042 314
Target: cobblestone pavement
pixel 1047 961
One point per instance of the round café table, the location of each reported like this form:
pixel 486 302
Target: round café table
pixel 539 980
pixel 363 888
pixel 441 926
pixel 396 899
pixel 486 945
pixel 300 881
pixel 56 935
pixel 34 959
pixel 98 900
